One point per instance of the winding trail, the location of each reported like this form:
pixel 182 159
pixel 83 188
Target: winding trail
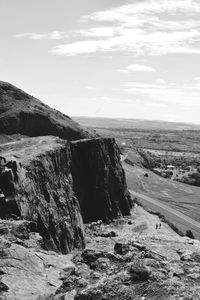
pixel 178 216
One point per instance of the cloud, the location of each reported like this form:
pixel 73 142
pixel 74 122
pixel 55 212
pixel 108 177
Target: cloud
pixel 89 87
pixel 140 68
pixel 160 81
pixel 106 31
pixel 149 8
pixel 149 27
pixel 30 35
pixel 181 96
pixel 142 28
pixel 54 35
pixel 78 48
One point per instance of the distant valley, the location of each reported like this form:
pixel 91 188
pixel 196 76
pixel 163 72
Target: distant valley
pixel 168 154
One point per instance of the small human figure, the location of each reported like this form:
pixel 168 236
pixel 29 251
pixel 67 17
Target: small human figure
pixel 156 226
pixel 159 225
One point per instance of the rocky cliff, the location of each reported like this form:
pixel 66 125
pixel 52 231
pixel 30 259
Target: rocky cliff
pixel 36 185
pixel 99 180
pixel 45 179
pixel 55 183
pixel 23 114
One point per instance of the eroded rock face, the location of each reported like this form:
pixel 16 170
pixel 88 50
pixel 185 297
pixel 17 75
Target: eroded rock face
pixel 27 272
pixel 46 180
pixel 99 180
pixel 36 185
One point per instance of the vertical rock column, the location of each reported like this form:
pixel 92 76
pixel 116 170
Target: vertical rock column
pixel 99 179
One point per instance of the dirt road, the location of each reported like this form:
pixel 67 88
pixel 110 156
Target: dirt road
pixel 171 213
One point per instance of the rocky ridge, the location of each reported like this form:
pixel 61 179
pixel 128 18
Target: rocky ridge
pixel 21 113
pixel 46 186
pixel 54 184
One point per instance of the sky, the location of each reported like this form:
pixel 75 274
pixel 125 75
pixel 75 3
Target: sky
pixel 105 58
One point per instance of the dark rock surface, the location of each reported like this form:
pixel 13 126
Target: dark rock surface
pixel 23 114
pixel 99 179
pixel 36 185
pixel 44 179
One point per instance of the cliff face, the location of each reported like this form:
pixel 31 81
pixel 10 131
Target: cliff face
pixel 36 185
pixel 23 114
pixel 99 180
pixel 45 179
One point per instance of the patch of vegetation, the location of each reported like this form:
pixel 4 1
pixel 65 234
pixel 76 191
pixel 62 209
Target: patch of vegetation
pixel 189 234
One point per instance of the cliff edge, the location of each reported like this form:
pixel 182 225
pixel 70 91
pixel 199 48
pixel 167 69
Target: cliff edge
pixel 36 185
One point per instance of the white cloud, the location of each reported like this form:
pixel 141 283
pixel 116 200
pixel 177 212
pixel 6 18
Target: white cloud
pixel 197 79
pixel 160 80
pixel 78 48
pixel 54 35
pixel 149 27
pixel 30 35
pixel 150 7
pixel 89 87
pixel 98 32
pixel 156 104
pixel 123 71
pixel 143 28
pixel 141 85
pixel 182 95
pixel 140 68
pixel 137 68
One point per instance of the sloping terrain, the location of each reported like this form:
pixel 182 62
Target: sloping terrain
pixel 176 196
pixel 23 114
pixel 127 259
pixel 168 197
pixel 46 185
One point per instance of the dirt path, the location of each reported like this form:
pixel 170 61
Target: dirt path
pixel 180 217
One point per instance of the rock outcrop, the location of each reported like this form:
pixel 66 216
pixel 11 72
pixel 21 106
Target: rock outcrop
pixel 48 187
pixel 99 179
pixel 36 184
pixel 54 183
pixel 26 270
pixel 23 114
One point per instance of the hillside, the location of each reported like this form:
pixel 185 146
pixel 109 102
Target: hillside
pixel 127 259
pixel 119 123
pixel 147 150
pixel 50 186
pixel 23 114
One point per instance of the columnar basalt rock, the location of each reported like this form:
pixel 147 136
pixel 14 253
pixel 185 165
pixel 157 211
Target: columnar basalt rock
pixel 99 179
pixel 36 185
